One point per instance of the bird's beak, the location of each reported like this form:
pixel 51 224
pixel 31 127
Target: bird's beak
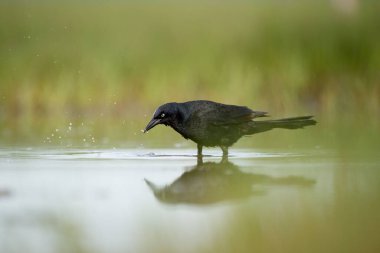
pixel 151 124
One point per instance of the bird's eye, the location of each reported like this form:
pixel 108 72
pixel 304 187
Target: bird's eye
pixel 162 115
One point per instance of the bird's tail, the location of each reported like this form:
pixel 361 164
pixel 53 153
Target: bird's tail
pixel 287 123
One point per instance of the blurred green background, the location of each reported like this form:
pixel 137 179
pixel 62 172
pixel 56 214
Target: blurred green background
pixel 94 71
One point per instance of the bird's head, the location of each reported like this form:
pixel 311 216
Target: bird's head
pixel 167 114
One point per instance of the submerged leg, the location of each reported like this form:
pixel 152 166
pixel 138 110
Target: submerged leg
pixel 199 147
pixel 199 160
pixel 225 151
pixel 199 156
pixel 224 159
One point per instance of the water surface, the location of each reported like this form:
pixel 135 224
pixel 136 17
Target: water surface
pixel 163 200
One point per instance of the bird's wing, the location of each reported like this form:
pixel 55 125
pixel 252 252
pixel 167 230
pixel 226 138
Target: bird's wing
pixel 229 115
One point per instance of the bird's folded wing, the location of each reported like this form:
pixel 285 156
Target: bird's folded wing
pixel 229 115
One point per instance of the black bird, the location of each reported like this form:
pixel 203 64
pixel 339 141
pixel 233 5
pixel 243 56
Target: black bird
pixel 213 124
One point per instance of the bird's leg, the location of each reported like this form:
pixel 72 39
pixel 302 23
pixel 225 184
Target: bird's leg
pixel 199 156
pixel 225 151
pixel 199 147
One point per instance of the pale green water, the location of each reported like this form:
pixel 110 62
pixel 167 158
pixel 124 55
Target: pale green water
pixel 124 200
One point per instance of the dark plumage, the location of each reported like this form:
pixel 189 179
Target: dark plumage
pixel 213 124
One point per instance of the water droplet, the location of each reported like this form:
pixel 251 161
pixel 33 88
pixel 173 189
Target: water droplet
pixel 178 145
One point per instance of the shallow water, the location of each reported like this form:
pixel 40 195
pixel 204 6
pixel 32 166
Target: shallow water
pixel 163 200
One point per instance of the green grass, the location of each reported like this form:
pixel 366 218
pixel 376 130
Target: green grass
pixel 109 64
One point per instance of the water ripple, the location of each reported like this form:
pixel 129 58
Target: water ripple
pixel 130 154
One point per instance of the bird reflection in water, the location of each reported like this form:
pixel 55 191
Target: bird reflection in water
pixel 211 182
